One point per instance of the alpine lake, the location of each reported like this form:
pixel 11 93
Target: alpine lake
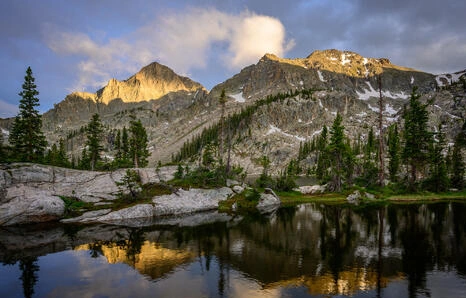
pixel 309 250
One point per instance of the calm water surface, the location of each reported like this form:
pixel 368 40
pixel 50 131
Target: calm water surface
pixel 306 251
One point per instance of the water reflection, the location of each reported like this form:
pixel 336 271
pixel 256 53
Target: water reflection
pixel 309 250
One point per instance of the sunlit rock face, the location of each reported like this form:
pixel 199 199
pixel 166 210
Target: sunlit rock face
pixel 151 82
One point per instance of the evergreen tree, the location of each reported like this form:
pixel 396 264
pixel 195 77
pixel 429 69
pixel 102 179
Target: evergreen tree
pixel 61 160
pixel 125 144
pixel 51 156
pixel 438 179
pixel 322 142
pixel 94 135
pixel 138 144
pixel 457 167
pixel 26 135
pixel 208 159
pixel 370 145
pixel 322 157
pixel 84 162
pixel 118 155
pixel 393 151
pixel 338 152
pixel 416 138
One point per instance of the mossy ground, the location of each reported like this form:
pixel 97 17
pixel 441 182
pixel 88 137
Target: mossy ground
pixel 293 198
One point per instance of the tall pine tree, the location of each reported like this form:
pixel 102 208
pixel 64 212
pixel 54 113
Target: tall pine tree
pixel 438 178
pixel 26 136
pixel 94 134
pixel 125 144
pixel 416 138
pixel 338 153
pixel 138 144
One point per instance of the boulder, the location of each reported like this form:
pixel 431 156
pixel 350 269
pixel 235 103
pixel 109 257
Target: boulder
pixel 231 183
pixel 238 189
pixel 30 205
pixel 311 189
pixel 268 201
pixel 354 197
pixel 369 196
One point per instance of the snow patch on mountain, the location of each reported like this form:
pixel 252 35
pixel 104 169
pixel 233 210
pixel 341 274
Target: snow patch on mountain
pixel 367 94
pixel 317 132
pixel 449 78
pixel 273 129
pixel 344 59
pixel 238 97
pixel 390 110
pixel 321 77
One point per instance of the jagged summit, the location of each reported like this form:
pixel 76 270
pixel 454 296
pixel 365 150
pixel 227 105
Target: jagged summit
pixel 151 82
pixel 344 62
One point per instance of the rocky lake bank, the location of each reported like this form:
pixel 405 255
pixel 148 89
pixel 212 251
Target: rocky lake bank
pixel 33 193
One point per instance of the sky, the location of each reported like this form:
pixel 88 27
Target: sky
pixel 78 45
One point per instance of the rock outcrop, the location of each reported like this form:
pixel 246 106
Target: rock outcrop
pixel 31 193
pixel 179 203
pixel 23 204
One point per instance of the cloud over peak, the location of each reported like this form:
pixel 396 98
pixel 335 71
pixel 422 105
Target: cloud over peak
pixel 194 38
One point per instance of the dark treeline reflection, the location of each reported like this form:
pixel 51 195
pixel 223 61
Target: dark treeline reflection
pixel 323 249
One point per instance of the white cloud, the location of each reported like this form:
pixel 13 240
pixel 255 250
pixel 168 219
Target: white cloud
pixel 183 41
pixel 7 109
pixel 253 37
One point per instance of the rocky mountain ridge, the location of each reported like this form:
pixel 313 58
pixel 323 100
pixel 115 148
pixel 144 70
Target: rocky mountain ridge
pixel 338 81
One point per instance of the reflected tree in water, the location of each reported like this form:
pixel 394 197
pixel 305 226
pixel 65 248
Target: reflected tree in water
pixel 132 243
pixel 29 278
pixel 417 252
pixel 336 238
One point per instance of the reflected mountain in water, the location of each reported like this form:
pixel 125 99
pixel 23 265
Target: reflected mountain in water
pixel 312 249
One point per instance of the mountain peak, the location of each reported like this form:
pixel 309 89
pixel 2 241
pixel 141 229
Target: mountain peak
pixel 151 82
pixel 270 56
